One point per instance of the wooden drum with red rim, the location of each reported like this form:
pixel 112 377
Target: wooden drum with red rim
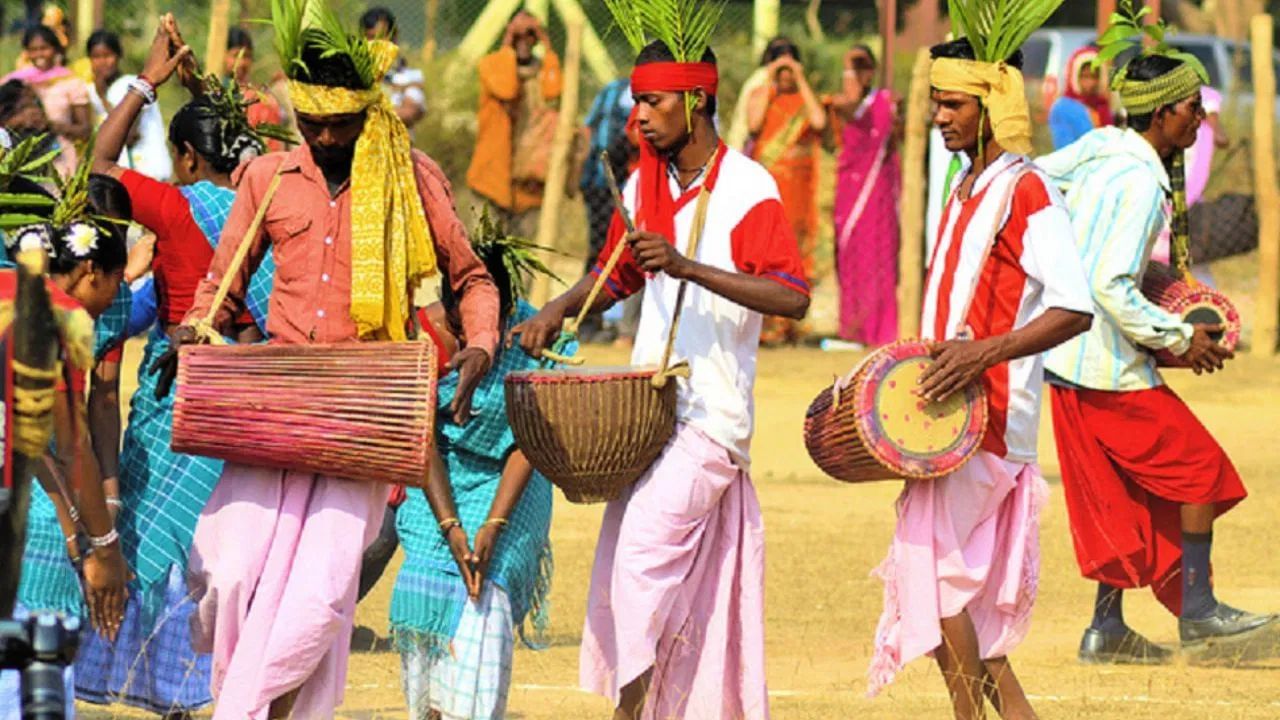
pixel 1197 304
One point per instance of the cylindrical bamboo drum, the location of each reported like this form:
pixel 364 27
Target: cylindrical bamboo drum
pixel 1199 304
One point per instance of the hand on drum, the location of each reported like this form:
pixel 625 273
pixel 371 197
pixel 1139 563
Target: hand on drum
pixel 471 364
pixel 462 556
pixel 167 364
pixel 1205 354
pixel 956 364
pixel 540 331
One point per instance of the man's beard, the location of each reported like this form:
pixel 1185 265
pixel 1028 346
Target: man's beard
pixel 334 159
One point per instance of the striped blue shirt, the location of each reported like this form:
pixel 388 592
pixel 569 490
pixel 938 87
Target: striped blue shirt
pixel 1117 192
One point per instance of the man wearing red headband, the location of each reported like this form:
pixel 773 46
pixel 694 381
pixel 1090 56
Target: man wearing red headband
pixel 675 616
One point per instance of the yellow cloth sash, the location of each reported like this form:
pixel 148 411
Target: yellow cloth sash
pixel 1000 88
pixel 391 247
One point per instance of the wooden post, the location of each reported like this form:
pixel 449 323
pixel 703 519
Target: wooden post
pixel 594 53
pixel 813 22
pixel 216 45
pixel 1266 190
pixel 83 22
pixel 764 25
pixel 487 29
pixel 540 9
pixel 911 210
pixel 888 34
pixel 553 195
pixel 429 37
pixel 1105 8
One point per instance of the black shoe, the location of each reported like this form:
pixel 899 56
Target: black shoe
pixel 1126 648
pixel 1224 622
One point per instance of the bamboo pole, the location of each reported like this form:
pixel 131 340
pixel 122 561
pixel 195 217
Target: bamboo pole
pixel 429 36
pixel 216 46
pixel 911 209
pixel 814 23
pixel 1265 187
pixel 553 195
pixel 487 28
pixel 764 24
pixel 888 34
pixel 83 21
pixel 1105 8
pixel 594 52
pixel 540 9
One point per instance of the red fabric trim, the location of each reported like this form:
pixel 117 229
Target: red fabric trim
pixel 674 77
pixel 764 245
pixel 952 261
pixel 1129 461
pixel 442 355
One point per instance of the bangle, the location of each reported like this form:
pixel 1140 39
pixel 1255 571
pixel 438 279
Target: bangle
pixel 449 524
pixel 500 522
pixel 104 540
pixel 115 501
pixel 144 88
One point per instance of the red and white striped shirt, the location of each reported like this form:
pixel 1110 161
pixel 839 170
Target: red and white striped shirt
pixel 1032 266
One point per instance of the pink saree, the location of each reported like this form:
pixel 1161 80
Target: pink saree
pixel 868 181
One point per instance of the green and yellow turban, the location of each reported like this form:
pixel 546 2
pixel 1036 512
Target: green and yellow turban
pixel 391 246
pixel 1143 97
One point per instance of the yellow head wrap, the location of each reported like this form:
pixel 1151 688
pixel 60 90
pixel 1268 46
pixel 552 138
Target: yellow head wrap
pixel 391 248
pixel 999 87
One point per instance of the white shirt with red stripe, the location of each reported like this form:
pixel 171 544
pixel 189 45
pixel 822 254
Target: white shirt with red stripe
pixel 1031 267
pixel 746 231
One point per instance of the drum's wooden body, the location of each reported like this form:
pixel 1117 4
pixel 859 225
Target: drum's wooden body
pixel 871 426
pixel 361 411
pixel 1199 304
pixel 591 431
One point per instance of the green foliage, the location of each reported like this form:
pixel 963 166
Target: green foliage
pixel 231 107
pixel 1128 29
pixel 684 26
pixel 302 23
pixel 519 255
pixel 22 161
pixel 997 28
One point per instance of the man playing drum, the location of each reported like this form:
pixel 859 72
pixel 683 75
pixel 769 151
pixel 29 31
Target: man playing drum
pixel 1142 476
pixel 1003 286
pixel 675 615
pixel 358 220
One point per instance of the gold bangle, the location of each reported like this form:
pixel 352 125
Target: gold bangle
pixel 495 521
pixel 446 521
pixel 449 524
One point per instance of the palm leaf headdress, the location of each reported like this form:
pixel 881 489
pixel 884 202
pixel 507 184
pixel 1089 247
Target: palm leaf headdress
pixel 1127 31
pixel 684 26
pixel 24 160
pixel 997 28
pixel 302 23
pixel 490 240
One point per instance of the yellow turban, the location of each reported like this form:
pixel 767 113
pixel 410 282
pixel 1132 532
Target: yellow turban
pixel 391 247
pixel 999 87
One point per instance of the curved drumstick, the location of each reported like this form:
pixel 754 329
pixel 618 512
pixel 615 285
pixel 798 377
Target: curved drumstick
pixel 615 256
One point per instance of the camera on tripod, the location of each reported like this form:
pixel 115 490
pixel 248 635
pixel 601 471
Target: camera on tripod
pixel 40 648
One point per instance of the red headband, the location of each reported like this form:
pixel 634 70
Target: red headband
pixel 674 77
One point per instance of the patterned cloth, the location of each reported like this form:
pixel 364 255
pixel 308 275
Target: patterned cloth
pixel 429 596
pixel 472 681
pixel 152 669
pixel 1117 191
pixel 111 329
pixel 210 205
pixel 49 582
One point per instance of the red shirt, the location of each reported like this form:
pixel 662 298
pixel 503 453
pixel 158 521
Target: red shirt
pixel 183 252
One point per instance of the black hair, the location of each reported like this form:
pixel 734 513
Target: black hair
pixel 238 37
pixel 1142 69
pixel 336 70
pixel 491 256
pixel 777 47
pixel 108 198
pixel 106 38
pixel 962 49
pixel 657 51
pixel 11 93
pixel 44 33
pixel 866 49
pixel 198 123
pixel 378 14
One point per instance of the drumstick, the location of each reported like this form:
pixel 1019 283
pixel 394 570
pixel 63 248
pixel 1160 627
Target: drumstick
pixel 615 256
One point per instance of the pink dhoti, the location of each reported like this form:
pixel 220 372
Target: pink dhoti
pixel 968 541
pixel 678 585
pixel 274 569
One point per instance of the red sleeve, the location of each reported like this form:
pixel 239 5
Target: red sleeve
pixel 764 245
pixel 627 277
pixel 156 205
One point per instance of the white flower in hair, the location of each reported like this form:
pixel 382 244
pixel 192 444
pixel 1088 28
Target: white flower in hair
pixel 81 239
pixel 34 237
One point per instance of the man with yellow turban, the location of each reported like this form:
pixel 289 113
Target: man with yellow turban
pixel 1143 479
pixel 1003 286
pixel 355 219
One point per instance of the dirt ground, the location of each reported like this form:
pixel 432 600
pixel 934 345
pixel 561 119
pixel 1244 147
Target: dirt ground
pixel 824 537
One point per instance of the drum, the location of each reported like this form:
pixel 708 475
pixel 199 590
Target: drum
pixel 1198 304
pixel 360 411
pixel 871 426
pixel 590 431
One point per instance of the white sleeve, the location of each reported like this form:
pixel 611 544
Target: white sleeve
pixel 1049 256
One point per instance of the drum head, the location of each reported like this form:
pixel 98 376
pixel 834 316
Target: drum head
pixel 919 439
pixel 1206 315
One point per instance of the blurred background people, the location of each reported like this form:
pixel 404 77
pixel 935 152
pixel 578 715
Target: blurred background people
pixel 64 97
pixel 403 84
pixel 146 151
pixel 1084 105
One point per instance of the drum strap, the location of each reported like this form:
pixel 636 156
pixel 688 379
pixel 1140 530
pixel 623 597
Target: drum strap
pixel 665 370
pixel 204 326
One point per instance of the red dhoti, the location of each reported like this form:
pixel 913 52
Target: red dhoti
pixel 1129 461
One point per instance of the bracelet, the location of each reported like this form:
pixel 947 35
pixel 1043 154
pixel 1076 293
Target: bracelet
pixel 500 522
pixel 144 88
pixel 104 540
pixel 449 524
pixel 115 501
